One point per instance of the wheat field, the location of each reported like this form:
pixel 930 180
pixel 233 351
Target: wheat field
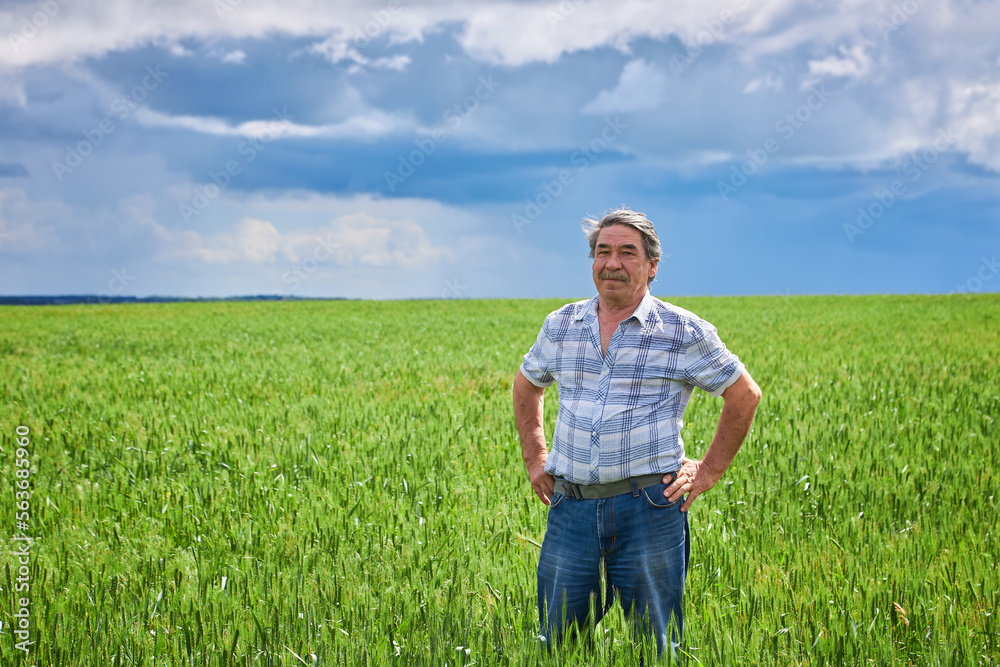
pixel 340 483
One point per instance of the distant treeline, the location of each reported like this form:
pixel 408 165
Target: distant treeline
pixel 65 299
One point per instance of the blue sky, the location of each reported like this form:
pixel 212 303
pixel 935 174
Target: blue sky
pixel 450 149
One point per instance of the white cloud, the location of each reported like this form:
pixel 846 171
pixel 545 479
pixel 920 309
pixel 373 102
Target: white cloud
pixel 504 31
pixel 363 232
pixel 360 239
pixel 237 57
pixel 253 241
pixel 353 240
pixel 89 30
pixel 337 49
pixel 180 51
pixel 854 64
pixel 373 123
pixel 768 81
pixel 278 242
pixel 513 33
pixel 641 85
pixel 794 43
pixel 500 31
pixel 29 227
pixel 975 117
pixel 397 62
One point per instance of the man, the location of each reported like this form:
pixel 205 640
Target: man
pixel 616 478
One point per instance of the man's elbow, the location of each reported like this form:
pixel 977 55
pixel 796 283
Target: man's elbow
pixel 523 389
pixel 744 392
pixel 517 388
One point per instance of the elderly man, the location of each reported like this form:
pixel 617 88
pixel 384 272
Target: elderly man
pixel 616 478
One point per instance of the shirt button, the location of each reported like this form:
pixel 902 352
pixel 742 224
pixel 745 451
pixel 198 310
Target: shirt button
pixel 593 433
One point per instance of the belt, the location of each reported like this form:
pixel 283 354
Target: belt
pixel 597 491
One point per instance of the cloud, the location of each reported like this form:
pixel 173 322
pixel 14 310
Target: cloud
pixel 507 31
pixel 641 86
pixel 237 57
pixel 367 240
pixel 253 241
pixel 27 227
pixel 336 50
pixel 975 113
pixel 180 51
pixel 288 227
pixel 78 30
pixel 760 83
pixel 514 34
pixel 373 123
pixel 854 64
pixel 352 240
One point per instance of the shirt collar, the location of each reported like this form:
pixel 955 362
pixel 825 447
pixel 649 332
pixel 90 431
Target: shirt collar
pixel 641 312
pixel 589 311
pixel 645 308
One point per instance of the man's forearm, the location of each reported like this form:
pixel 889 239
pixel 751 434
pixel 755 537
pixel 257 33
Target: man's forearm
pixel 528 402
pixel 734 424
pixel 696 477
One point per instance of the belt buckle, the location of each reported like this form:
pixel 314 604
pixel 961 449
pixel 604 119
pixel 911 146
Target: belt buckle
pixel 574 490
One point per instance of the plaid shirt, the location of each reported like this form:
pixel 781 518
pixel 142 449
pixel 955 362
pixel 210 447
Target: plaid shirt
pixel 620 416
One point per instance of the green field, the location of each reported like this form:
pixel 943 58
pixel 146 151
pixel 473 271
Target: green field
pixel 340 483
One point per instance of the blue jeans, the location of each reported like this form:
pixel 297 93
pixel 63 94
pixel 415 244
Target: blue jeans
pixel 645 544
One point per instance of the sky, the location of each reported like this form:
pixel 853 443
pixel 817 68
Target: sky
pixel 451 149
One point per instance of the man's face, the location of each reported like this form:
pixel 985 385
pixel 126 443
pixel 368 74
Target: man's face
pixel 621 270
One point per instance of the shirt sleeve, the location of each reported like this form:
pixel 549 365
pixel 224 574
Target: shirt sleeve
pixel 537 364
pixel 709 365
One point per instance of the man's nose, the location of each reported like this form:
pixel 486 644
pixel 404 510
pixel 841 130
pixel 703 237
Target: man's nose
pixel 613 261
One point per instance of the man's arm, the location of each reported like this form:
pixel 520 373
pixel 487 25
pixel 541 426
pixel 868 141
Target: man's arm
pixel 528 414
pixel 740 401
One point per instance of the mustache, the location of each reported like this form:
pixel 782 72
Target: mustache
pixel 612 275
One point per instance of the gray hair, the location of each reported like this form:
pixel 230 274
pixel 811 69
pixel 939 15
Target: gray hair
pixel 624 216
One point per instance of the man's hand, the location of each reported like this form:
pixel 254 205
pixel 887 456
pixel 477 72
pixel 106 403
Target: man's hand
pixel 541 481
pixel 694 478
